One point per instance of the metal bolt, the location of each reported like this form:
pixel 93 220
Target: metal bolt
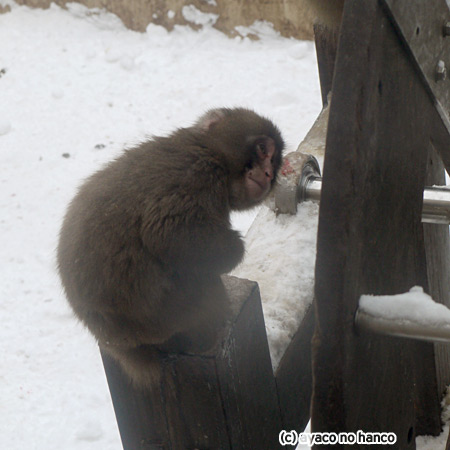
pixel 440 72
pixel 446 29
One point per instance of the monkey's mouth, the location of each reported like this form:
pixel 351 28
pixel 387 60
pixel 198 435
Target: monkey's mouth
pixel 257 189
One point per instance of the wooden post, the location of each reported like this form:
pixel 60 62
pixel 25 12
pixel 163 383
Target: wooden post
pixel 294 373
pixel 420 26
pixel 326 36
pixel 437 246
pixel 370 235
pixel 294 377
pixel 326 40
pixel 222 400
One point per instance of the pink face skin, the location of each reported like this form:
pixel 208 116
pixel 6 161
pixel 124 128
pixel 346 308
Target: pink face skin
pixel 259 177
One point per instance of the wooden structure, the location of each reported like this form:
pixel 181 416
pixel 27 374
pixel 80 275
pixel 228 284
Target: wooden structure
pixel 388 124
pixel 388 115
pixel 226 399
pixel 222 400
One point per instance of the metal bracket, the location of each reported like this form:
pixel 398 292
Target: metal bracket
pixel 298 172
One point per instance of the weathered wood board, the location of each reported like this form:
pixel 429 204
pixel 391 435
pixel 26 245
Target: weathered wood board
pixel 370 234
pixel 294 377
pixel 223 400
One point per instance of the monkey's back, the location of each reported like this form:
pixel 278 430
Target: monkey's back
pixel 145 240
pixel 106 267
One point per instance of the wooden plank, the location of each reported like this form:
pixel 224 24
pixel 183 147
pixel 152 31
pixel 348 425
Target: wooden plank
pixel 247 383
pixel 421 26
pixel 437 369
pixel 294 373
pixel 441 140
pixel 437 245
pixel 193 404
pixel 436 236
pixel 326 36
pixel 370 236
pixel 184 412
pixel 326 40
pixel 294 377
pixel 222 400
pixel 142 424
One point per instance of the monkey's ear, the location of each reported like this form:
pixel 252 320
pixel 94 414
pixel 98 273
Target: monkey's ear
pixel 209 119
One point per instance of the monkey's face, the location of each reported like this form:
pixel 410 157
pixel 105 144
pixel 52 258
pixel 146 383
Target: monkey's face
pixel 254 184
pixel 251 148
pixel 259 176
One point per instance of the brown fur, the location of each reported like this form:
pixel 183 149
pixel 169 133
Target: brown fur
pixel 145 240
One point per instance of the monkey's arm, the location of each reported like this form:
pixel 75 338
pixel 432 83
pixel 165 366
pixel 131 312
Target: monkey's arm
pixel 188 228
pixel 206 248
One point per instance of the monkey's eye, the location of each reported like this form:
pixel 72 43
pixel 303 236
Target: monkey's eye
pixel 248 166
pixel 262 148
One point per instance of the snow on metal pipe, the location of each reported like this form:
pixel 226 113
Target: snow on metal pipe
pixel 391 327
pixel 436 200
pixel 413 314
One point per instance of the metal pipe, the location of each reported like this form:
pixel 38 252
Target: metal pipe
pixel 436 200
pixel 313 189
pixel 391 327
pixel 436 205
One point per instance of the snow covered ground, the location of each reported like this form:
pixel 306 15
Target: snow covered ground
pixel 75 89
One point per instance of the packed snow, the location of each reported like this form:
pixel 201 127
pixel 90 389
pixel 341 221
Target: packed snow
pixel 414 306
pixel 280 255
pixel 76 88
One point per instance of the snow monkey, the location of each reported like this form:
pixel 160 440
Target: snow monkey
pixel 145 240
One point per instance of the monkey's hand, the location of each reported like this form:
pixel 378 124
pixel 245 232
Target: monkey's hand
pixel 201 248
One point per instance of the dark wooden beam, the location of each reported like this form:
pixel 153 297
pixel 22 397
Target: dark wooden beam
pixel 225 399
pixel 326 40
pixel 423 28
pixel 437 245
pixel 294 377
pixel 370 237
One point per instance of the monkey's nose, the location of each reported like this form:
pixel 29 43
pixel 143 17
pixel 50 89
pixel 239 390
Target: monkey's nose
pixel 267 168
pixel 269 174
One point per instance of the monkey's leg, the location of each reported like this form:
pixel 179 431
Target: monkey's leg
pixel 142 363
pixel 213 310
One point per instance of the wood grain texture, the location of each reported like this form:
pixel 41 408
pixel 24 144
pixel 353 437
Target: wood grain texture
pixel 225 399
pixel 294 373
pixel 326 40
pixel 294 377
pixel 370 234
pixel 437 245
